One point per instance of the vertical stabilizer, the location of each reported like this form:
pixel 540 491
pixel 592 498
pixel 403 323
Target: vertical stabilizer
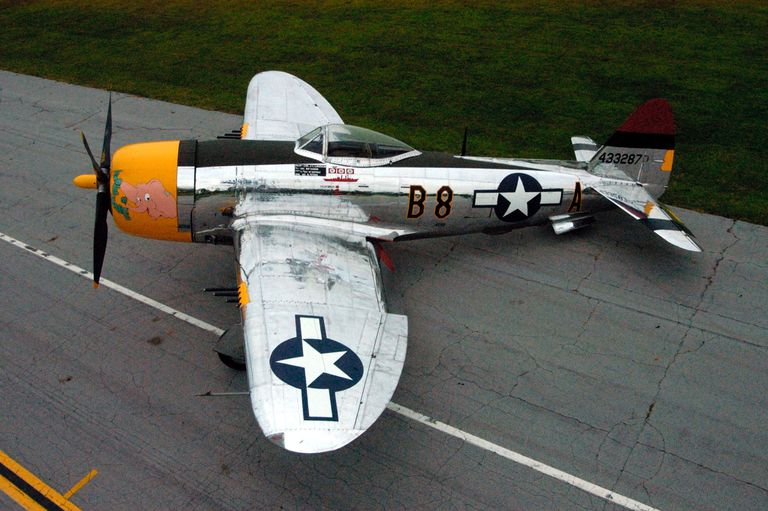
pixel 642 148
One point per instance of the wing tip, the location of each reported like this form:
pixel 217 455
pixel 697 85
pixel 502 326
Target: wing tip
pixel 314 441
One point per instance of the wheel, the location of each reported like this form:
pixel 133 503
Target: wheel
pixel 231 362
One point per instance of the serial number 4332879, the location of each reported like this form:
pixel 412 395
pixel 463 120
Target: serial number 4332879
pixel 628 158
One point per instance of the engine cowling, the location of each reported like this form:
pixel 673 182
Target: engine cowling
pixel 144 191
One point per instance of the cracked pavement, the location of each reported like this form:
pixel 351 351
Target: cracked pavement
pixel 605 353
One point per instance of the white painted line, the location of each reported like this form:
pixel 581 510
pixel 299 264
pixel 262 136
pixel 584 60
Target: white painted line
pixel 542 468
pixel 112 285
pixel 538 466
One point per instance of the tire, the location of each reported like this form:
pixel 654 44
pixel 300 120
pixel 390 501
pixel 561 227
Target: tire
pixel 231 362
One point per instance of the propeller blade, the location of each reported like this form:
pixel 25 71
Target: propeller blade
pixel 105 154
pixel 88 150
pixel 100 235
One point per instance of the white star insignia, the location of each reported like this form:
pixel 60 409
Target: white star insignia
pixel 315 364
pixel 518 199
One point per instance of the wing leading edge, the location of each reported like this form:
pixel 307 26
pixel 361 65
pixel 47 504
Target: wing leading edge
pixel 323 356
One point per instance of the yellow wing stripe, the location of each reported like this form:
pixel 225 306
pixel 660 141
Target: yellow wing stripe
pixel 242 294
pixel 648 208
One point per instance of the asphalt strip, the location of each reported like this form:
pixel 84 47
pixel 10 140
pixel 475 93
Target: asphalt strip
pixel 513 456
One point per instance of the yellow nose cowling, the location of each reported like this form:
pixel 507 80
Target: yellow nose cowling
pixel 143 190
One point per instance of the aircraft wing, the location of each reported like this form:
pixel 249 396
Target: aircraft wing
pixel 634 200
pixel 280 106
pixel 323 356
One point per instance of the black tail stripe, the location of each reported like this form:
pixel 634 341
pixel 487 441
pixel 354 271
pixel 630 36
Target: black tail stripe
pixel 641 140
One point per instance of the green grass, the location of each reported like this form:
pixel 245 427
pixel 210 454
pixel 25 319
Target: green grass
pixel 523 77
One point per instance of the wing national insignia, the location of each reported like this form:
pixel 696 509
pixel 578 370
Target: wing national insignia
pixel 316 365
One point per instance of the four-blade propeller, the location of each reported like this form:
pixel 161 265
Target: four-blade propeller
pixel 103 172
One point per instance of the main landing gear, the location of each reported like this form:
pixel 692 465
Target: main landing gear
pixel 230 348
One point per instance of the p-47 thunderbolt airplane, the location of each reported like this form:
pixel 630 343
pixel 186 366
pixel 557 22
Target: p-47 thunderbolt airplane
pixel 310 203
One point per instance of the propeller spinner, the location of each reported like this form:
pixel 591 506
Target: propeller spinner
pixel 101 184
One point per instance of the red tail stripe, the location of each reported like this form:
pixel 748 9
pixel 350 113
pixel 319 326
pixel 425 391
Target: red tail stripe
pixel 654 116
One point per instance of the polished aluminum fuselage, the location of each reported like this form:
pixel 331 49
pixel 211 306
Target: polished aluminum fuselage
pixel 429 195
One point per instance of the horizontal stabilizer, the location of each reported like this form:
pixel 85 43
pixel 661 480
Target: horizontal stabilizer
pixel 634 200
pixel 584 148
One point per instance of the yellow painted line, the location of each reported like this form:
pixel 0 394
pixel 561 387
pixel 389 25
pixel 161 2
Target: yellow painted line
pixel 19 496
pixel 21 480
pixel 76 488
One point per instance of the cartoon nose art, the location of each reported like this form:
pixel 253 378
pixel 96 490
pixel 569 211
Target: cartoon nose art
pixel 151 198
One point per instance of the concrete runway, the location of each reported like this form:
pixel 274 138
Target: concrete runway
pixel 606 353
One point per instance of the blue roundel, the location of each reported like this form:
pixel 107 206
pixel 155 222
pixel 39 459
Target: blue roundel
pixel 293 364
pixel 521 185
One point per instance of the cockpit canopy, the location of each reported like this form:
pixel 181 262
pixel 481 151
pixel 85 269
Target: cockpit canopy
pixel 342 144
